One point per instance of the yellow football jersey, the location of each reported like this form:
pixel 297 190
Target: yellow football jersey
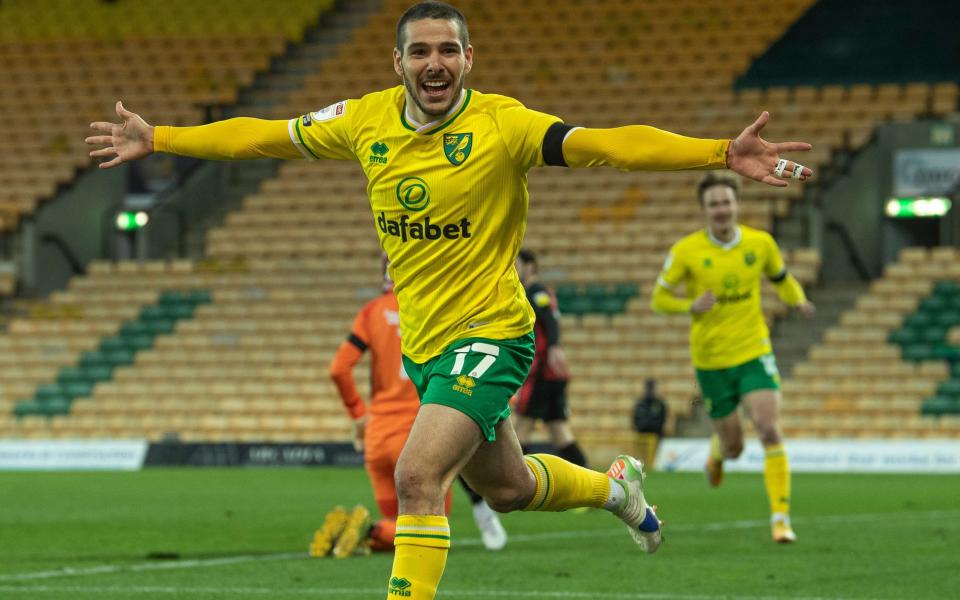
pixel 449 203
pixel 733 331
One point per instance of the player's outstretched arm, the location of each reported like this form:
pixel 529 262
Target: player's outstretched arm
pixel 234 139
pixel 644 148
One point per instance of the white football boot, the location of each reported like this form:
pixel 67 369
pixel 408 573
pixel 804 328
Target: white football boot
pixel 641 520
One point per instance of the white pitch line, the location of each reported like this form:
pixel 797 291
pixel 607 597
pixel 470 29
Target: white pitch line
pixel 514 539
pixel 368 592
pixel 151 566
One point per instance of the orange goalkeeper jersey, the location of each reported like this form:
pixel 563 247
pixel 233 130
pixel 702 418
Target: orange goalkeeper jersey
pixel 394 401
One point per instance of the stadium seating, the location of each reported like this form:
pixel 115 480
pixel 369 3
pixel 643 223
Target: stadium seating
pixel 64 63
pixel 289 269
pixel 869 378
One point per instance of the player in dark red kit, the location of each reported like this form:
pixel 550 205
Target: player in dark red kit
pixel 544 394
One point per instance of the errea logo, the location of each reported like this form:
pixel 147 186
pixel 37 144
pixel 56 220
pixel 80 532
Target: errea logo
pixel 378 153
pixel 465 385
pixel 400 586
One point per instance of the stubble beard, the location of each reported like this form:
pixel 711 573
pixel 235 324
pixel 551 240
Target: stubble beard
pixel 413 91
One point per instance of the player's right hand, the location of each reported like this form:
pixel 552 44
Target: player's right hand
pixel 128 140
pixel 359 428
pixel 703 303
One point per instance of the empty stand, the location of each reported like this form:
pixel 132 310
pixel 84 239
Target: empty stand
pixel 64 63
pixel 289 270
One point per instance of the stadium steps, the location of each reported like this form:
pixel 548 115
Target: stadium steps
pixel 794 335
pixel 97 366
pixel 241 181
pixel 320 43
pixel 286 73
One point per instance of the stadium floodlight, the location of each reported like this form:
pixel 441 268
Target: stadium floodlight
pixel 129 220
pixel 917 208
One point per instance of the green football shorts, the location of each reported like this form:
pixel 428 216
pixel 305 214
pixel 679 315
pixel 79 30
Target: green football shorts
pixel 724 388
pixel 476 376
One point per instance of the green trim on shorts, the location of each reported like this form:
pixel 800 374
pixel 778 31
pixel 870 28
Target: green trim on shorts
pixel 476 376
pixel 722 389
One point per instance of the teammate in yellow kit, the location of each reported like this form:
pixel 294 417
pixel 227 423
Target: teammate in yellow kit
pixel 721 267
pixel 446 169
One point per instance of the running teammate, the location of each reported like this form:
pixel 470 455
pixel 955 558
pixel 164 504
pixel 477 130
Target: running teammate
pixel 720 268
pixel 446 169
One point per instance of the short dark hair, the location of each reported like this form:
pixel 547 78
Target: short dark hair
pixel 527 257
pixel 718 178
pixel 432 10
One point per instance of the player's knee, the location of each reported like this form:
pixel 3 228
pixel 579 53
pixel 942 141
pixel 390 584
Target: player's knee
pixel 769 435
pixel 733 449
pixel 413 485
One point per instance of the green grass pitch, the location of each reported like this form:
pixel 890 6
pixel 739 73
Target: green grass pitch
pixel 243 533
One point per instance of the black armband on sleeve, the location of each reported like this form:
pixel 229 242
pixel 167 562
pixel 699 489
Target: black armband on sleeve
pixel 553 144
pixel 779 277
pixel 356 341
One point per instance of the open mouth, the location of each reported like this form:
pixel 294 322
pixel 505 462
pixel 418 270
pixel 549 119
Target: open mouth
pixel 435 89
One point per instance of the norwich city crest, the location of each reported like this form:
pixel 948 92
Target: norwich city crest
pixel 749 258
pixel 457 146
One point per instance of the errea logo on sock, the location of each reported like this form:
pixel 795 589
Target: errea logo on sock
pixel 399 586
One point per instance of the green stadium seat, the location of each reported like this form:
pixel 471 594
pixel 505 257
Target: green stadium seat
pixel 933 304
pixel 153 312
pixel 167 298
pixel 577 305
pixel 200 297
pixel 918 352
pixel 950 387
pixel 565 292
pixel 131 328
pixel 904 336
pixel 96 360
pixel 120 357
pixel 138 342
pixel 27 407
pixel 72 375
pixel 78 390
pixel 46 391
pixel 940 405
pixel 113 343
pixel 596 291
pixel 948 317
pixel 611 305
pixel 947 289
pixel 626 290
pixel 918 320
pixel 934 334
pixel 951 353
pixel 50 407
pixel 160 326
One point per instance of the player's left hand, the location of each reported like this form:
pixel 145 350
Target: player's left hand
pixel 557 361
pixel 752 156
pixel 807 308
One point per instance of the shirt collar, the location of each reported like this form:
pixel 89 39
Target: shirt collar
pixel 424 128
pixel 737 236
